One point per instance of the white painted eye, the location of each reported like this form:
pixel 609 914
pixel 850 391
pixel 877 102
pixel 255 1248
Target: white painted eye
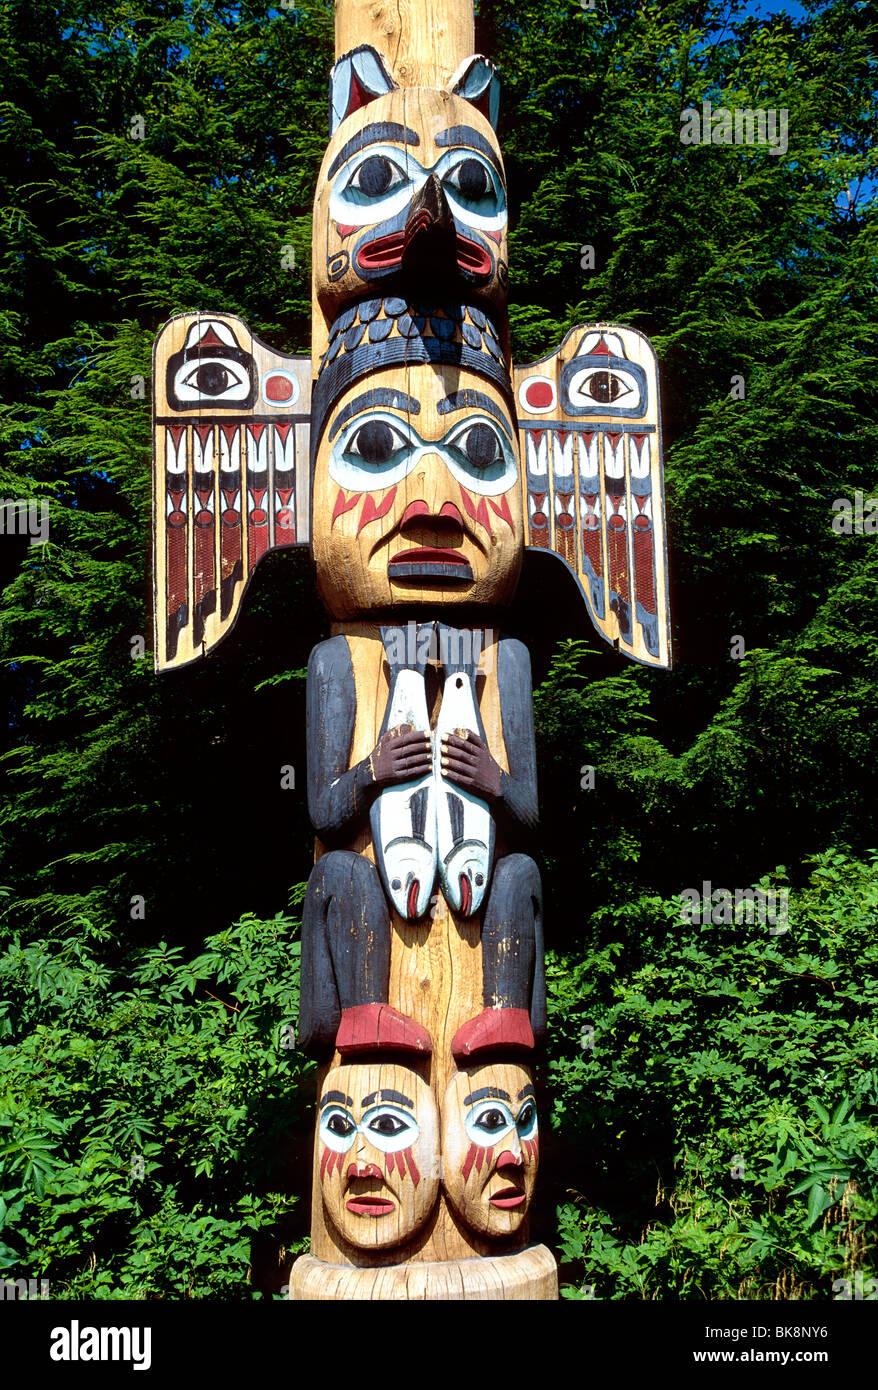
pixel 489 1122
pixel 389 1128
pixel 376 177
pixel 374 452
pixel 481 457
pixel 337 1129
pixel 475 189
pixel 526 1124
pixel 374 186
pixel 212 379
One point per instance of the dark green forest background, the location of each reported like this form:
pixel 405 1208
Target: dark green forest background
pixel 709 1098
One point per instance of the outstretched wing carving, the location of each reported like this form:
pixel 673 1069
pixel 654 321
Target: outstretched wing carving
pixel 231 481
pixel 590 435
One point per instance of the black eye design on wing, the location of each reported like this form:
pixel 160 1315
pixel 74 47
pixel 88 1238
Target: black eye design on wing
pixel 604 387
pixel 213 378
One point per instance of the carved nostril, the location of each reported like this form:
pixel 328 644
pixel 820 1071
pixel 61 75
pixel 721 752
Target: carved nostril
pixel 415 511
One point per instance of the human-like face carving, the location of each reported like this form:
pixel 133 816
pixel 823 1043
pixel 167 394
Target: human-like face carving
pixel 378 1151
pixel 417 496
pixel 490 1146
pixel 413 181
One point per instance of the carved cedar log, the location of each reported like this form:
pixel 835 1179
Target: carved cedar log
pixel 423 932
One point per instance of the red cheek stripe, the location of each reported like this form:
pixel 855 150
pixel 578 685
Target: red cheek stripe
pixel 476 513
pixel 327 1155
pixel 502 510
pixel 341 506
pixel 372 513
pixel 469 1161
pixel 413 1167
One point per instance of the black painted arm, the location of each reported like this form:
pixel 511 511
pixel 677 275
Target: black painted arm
pixel 339 797
pixel 518 798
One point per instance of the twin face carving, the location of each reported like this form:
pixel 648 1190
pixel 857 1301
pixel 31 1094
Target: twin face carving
pixel 379 1143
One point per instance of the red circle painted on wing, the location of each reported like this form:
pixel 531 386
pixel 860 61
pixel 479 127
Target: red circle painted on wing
pixel 177 519
pixel 229 517
pixel 617 523
pixel 539 395
pixel 538 519
pixel 565 520
pixel 590 523
pixel 203 518
pixel 642 523
pixel 258 517
pixel 285 517
pixel 279 388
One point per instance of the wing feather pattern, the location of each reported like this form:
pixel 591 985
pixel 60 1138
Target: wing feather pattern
pixel 590 435
pixel 231 480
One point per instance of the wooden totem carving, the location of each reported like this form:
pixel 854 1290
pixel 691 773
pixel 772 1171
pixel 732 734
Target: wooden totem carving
pixel 418 463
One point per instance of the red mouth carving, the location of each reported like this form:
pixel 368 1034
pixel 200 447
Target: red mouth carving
pixel 429 555
pixel 383 253
pixel 369 1206
pixel 386 252
pixel 466 895
pixel 508 1198
pixel 412 902
pixel 473 258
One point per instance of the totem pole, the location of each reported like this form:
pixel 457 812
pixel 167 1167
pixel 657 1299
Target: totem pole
pixel 418 464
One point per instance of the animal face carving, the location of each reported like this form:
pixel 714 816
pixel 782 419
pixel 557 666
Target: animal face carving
pixel 417 494
pixel 378 1153
pixel 411 184
pixel 490 1146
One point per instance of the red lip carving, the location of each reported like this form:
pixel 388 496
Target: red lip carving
pixel 369 1206
pixel 508 1198
pixel 387 252
pixel 472 257
pixel 429 555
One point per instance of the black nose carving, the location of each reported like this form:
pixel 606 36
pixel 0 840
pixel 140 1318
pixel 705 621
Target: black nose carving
pixel 429 229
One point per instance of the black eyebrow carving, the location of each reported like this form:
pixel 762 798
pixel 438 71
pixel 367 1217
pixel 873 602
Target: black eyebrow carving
pixel 527 1091
pixel 398 1097
pixel 474 400
pixel 465 136
pixel 380 396
pixel 374 134
pixel 387 1095
pixel 493 1092
pixel 335 1098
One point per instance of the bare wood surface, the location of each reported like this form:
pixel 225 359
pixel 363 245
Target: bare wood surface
pixel 528 1275
pixel 422 41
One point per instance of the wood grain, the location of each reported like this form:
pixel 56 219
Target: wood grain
pixel 422 41
pixel 525 1276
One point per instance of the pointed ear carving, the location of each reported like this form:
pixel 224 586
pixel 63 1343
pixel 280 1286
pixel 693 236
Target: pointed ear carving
pixel 357 78
pixel 478 81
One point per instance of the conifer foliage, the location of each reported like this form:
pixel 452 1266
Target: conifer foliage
pixel 711 1086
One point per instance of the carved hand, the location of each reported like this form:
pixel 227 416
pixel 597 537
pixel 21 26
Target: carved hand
pixel 467 762
pixel 400 755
